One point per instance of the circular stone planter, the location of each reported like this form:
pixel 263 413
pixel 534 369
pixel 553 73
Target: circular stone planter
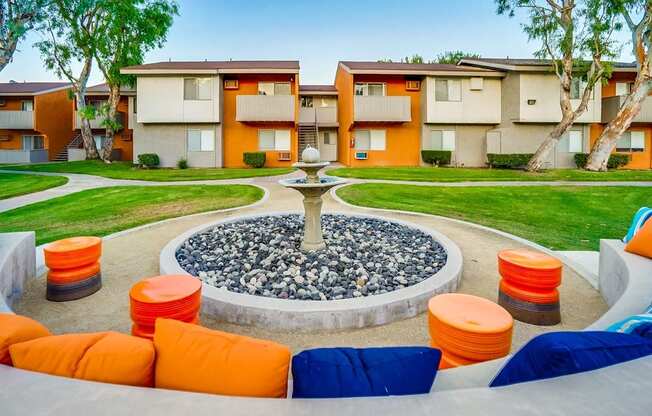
pixel 307 315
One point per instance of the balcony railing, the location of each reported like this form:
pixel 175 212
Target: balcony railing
pixel 323 115
pixel 23 156
pixel 265 108
pixel 382 108
pixel 97 122
pixel 16 120
pixel 611 105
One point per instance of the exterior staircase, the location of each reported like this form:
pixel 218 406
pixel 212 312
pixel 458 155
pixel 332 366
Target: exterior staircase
pixel 308 135
pixel 75 143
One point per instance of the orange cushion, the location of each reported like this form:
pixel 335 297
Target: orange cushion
pixel 641 243
pixel 15 329
pixel 193 358
pixel 102 356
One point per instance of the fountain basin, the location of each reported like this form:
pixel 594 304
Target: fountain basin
pixel 311 315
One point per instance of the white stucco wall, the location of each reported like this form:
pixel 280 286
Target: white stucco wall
pixel 475 107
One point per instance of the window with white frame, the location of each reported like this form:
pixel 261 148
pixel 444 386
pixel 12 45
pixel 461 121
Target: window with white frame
pixel 370 140
pixel 195 89
pixel 622 88
pixel 274 140
pixel 578 85
pixel 27 105
pixel 448 90
pixel 571 142
pixel 370 88
pixel 274 88
pixel 31 142
pixel 440 140
pixel 631 141
pixel 201 140
pixel 329 137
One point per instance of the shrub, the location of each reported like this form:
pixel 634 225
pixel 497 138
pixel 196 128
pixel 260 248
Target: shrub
pixel 509 160
pixel 615 161
pixel 436 157
pixel 182 164
pixel 148 160
pixel 254 159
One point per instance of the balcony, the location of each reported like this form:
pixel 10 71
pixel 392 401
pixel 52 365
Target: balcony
pixel 265 108
pixel 325 116
pixel 382 108
pixel 17 120
pixel 611 105
pixel 97 122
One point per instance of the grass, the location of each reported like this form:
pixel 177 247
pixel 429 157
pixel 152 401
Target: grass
pixel 126 170
pixel 429 174
pixel 105 211
pixel 560 218
pixel 15 184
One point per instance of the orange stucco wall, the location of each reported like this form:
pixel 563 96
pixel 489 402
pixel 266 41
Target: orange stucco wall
pixel 53 118
pixel 638 160
pixel 239 137
pixel 402 140
pixel 12 139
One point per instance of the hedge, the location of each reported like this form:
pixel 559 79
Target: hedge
pixel 436 157
pixel 254 159
pixel 148 160
pixel 509 160
pixel 615 161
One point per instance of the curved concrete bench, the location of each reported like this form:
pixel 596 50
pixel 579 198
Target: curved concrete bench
pixel 622 389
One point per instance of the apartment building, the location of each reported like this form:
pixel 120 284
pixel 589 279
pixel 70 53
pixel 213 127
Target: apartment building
pixel 97 96
pixel 35 121
pixel 212 112
pixel 389 112
pixel 318 120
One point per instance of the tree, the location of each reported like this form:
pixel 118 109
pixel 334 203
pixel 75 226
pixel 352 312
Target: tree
pixel 641 33
pixel 414 59
pixel 16 18
pixel 70 29
pixel 133 27
pixel 568 32
pixel 453 57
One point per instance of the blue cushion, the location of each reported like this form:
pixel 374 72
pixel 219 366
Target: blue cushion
pixel 640 325
pixel 639 219
pixel 561 353
pixel 351 372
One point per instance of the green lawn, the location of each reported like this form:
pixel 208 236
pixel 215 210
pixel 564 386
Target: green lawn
pixel 108 210
pixel 560 218
pixel 428 174
pixel 15 184
pixel 126 170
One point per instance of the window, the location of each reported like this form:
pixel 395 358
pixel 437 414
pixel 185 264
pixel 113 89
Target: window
pixel 328 102
pixel 631 141
pixel 274 140
pixel 622 88
pixel 33 143
pixel 329 137
pixel 571 142
pixel 306 102
pixel 197 89
pixel 27 105
pixel 578 85
pixel 135 105
pixel 97 104
pixel 99 140
pixel 201 140
pixel 440 140
pixel 367 88
pixel 448 90
pixel 370 140
pixel 274 88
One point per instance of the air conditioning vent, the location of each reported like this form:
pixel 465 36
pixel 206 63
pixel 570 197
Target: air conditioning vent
pixel 231 84
pixel 361 155
pixel 412 85
pixel 284 156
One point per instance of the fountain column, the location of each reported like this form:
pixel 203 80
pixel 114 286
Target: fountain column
pixel 312 235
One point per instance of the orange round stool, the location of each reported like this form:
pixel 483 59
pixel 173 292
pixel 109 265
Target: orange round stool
pixel 468 329
pixel 528 288
pixel 74 268
pixel 169 296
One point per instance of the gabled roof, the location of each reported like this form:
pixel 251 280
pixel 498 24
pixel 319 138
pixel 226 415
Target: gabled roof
pixel 317 90
pixel 527 64
pixel 214 67
pixel 31 88
pixel 399 68
pixel 103 89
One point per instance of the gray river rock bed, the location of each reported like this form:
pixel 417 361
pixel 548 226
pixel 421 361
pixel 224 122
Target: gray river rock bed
pixel 261 256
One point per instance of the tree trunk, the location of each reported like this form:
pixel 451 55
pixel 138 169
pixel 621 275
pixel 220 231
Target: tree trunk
pixel 114 99
pixel 80 97
pixel 606 143
pixel 536 163
pixel 7 52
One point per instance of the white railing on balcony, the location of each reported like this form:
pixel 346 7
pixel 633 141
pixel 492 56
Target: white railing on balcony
pixel 323 115
pixel 16 119
pixel 96 123
pixel 265 108
pixel 382 108
pixel 611 105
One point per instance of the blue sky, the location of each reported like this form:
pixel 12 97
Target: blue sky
pixel 320 33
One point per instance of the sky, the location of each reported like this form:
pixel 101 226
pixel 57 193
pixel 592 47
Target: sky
pixel 319 34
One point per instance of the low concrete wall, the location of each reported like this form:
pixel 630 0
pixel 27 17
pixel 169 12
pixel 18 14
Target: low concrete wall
pixel 17 264
pixel 76 154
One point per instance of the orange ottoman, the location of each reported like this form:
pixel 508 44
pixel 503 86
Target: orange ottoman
pixel 74 268
pixel 528 288
pixel 170 296
pixel 468 329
